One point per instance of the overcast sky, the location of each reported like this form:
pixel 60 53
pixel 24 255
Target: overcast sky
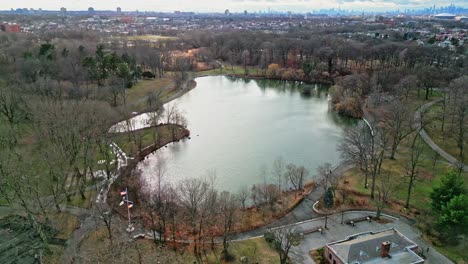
pixel 232 5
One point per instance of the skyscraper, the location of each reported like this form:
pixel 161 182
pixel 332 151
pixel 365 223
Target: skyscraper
pixel 63 11
pixel 91 11
pixel 119 11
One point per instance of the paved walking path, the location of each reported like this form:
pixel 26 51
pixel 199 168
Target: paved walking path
pixel 417 117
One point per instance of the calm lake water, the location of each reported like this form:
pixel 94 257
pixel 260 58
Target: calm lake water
pixel 240 126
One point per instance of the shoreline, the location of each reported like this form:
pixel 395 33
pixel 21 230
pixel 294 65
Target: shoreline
pixel 126 173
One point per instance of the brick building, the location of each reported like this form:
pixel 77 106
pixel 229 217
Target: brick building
pixel 383 247
pixel 10 27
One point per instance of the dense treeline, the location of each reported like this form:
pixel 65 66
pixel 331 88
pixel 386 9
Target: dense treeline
pixel 58 99
pixel 358 65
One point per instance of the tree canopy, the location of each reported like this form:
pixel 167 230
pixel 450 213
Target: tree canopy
pixel 451 186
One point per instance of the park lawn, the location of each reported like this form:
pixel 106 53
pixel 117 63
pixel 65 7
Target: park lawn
pixel 86 203
pixel 443 139
pixel 257 250
pixel 54 256
pixel 151 38
pixel 65 223
pixel 123 140
pixel 218 71
pixel 455 253
pixel 237 70
pixel 430 175
pixel 96 248
pixel 144 87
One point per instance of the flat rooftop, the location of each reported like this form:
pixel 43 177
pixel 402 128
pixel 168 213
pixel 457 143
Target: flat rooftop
pixel 364 248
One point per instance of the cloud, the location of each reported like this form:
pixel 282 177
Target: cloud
pixel 397 2
pixel 233 5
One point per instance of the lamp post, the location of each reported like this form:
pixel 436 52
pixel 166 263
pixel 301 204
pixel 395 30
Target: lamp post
pixel 124 195
pixel 373 155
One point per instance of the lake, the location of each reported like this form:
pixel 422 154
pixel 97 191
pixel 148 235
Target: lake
pixel 240 126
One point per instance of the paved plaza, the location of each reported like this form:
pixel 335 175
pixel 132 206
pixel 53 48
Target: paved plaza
pixel 337 231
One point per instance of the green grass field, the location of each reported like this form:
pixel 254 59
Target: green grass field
pixel 228 69
pixel 148 138
pixel 144 87
pixel 430 175
pixel 86 203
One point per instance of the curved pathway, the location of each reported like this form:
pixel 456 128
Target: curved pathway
pixel 417 117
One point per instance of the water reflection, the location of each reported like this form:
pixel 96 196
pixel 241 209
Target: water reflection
pixel 240 125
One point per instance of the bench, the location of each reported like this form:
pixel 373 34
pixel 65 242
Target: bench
pixel 313 230
pixel 352 222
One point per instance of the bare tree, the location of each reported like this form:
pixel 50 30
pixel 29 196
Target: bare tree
pixel 380 144
pixel 192 193
pixel 159 204
pixel 243 195
pixel 245 60
pixel 12 106
pixel 416 149
pixel 459 111
pixel 278 171
pixel 58 127
pixel 174 117
pixel 385 188
pixel 412 167
pixel 228 207
pixel 355 147
pixel 335 182
pixel 105 214
pixel 269 194
pixel 284 239
pixel 296 176
pixel 115 89
pixel 399 124
pixel 209 212
pixel 406 85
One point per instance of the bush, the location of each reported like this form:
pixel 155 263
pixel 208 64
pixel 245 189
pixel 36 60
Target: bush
pixel 148 75
pixel 350 107
pixel 319 256
pixel 269 237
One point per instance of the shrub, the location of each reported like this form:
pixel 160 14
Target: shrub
pixel 148 74
pixel 269 237
pixel 350 107
pixel 319 256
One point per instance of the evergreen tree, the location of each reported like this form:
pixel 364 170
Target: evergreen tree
pixel 450 186
pixel 453 218
pixel 328 201
pixel 328 198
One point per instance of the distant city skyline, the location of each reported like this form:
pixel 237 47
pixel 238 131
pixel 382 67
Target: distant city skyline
pixel 233 5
